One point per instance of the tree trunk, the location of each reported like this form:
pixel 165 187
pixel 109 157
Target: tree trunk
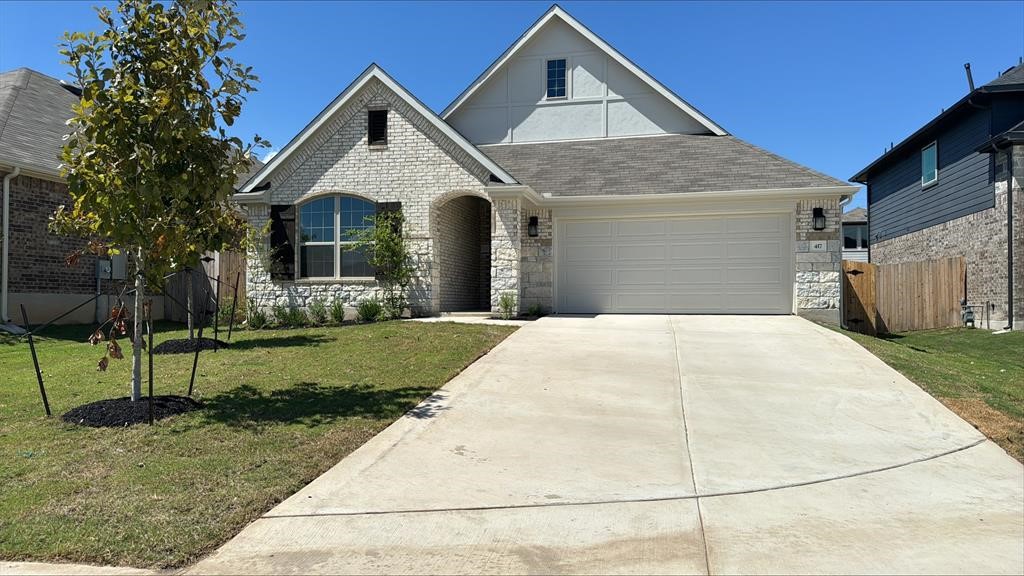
pixel 140 287
pixel 191 307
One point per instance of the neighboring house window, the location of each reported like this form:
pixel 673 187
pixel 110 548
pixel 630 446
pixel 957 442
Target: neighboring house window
pixel 377 127
pixel 556 78
pixel 929 164
pixel 855 236
pixel 327 234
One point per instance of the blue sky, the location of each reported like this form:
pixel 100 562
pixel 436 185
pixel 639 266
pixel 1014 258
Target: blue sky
pixel 827 84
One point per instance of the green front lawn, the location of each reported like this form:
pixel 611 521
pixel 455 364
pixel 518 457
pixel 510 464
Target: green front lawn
pixel 977 374
pixel 281 407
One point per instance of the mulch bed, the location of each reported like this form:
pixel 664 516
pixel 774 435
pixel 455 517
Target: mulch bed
pixel 187 345
pixel 121 412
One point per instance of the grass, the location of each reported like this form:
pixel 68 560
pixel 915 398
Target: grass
pixel 977 374
pixel 281 408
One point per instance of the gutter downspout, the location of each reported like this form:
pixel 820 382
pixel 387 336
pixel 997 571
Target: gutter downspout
pixel 7 243
pixel 1010 238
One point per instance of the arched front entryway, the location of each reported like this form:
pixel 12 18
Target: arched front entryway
pixel 462 229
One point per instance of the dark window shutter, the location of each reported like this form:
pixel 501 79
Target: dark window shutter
pixel 282 242
pixel 377 127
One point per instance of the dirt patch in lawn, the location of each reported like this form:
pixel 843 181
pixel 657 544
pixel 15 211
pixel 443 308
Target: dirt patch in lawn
pixel 1002 429
pixel 121 412
pixel 188 345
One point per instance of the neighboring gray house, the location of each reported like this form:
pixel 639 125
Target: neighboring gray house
pixel 855 235
pixel 564 175
pixel 946 191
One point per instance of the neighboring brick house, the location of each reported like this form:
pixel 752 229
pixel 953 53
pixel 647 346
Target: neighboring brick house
pixel 946 191
pixel 564 175
pixel 34 109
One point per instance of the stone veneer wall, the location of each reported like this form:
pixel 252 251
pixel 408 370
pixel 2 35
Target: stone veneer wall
pixel 459 231
pixel 817 273
pixel 536 261
pixel 980 238
pixel 419 167
pixel 505 251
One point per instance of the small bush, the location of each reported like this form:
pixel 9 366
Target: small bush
pixel 255 317
pixel 370 310
pixel 317 312
pixel 337 312
pixel 535 310
pixel 507 305
pixel 289 316
pixel 224 313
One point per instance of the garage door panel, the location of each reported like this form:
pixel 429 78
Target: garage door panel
pixel 697 251
pixel 587 229
pixel 640 252
pixel 696 264
pixel 640 277
pixel 753 249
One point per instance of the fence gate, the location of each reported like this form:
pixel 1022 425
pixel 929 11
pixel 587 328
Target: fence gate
pixel 903 297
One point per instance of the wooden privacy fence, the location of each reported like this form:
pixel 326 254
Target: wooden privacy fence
pixel 231 266
pixel 887 298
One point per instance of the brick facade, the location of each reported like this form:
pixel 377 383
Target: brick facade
pixel 817 272
pixel 464 254
pixel 537 262
pixel 980 238
pixel 419 167
pixel 37 257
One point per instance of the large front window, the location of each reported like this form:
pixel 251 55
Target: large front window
pixel 327 232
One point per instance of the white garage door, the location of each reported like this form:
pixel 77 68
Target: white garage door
pixel 702 264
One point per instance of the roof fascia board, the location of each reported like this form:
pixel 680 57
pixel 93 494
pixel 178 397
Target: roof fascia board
pixel 373 71
pixel 557 10
pixel 774 194
pixel 27 170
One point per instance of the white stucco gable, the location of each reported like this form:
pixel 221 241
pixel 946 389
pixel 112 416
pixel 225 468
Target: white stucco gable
pixel 606 94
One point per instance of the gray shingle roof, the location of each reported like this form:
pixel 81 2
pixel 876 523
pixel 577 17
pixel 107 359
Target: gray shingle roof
pixel 676 163
pixel 33 110
pixel 856 215
pixel 1011 77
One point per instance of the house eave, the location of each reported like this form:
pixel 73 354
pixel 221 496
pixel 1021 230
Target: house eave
pixel 841 192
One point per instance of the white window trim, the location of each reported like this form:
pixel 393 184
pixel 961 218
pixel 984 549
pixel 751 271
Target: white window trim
pixel 568 78
pixel 337 243
pixel 935 180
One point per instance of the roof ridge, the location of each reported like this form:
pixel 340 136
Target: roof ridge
pixel 800 166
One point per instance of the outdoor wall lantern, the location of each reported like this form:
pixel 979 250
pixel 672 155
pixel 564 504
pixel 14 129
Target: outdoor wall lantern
pixel 818 219
pixel 532 228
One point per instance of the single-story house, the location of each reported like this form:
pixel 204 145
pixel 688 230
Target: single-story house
pixel 855 235
pixel 953 188
pixel 564 175
pixel 34 110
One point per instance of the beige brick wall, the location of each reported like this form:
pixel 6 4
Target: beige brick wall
pixel 537 262
pixel 420 167
pixel 817 273
pixel 980 238
pixel 463 254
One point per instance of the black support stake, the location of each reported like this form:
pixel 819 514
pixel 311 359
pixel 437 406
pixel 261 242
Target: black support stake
pixel 216 313
pixel 35 361
pixel 198 341
pixel 234 304
pixel 149 330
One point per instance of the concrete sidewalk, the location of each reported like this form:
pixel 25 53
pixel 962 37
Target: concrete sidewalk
pixel 654 444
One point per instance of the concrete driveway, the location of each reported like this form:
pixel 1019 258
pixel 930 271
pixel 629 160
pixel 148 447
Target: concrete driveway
pixel 656 444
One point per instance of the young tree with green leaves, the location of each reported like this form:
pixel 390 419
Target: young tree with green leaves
pixel 149 164
pixel 387 251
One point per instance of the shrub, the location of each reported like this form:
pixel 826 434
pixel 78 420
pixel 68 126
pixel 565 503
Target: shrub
pixel 337 312
pixel 224 312
pixel 388 253
pixel 317 312
pixel 507 305
pixel 370 310
pixel 535 310
pixel 289 316
pixel 255 317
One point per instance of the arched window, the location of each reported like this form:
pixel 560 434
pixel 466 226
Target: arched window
pixel 327 232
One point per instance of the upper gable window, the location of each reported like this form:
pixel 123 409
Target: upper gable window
pixel 556 78
pixel 929 164
pixel 377 127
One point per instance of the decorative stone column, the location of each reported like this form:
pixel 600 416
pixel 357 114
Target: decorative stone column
pixel 506 248
pixel 819 255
